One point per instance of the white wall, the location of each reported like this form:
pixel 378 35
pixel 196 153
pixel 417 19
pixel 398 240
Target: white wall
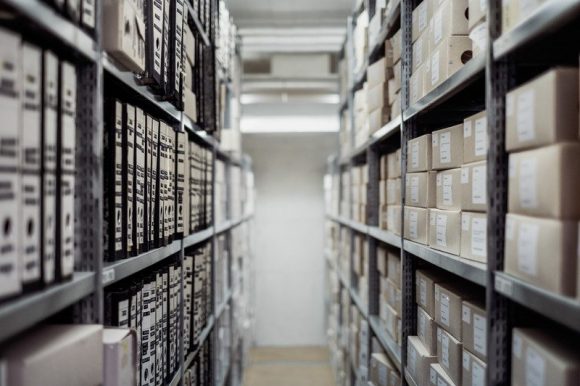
pixel 289 230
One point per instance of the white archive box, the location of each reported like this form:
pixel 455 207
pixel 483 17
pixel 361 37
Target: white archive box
pixel 474 236
pixel 120 356
pixel 449 19
pixel 445 231
pixel 475 141
pixel 129 173
pixel 474 187
pixel 139 198
pixel 449 189
pixel 447 148
pixel 68 98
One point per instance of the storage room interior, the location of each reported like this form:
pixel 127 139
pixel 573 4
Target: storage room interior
pixel 289 193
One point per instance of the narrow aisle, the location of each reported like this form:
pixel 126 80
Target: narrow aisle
pixel 289 366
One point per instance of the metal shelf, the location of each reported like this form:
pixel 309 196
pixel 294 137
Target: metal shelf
pixel 562 309
pixel 57 26
pixel 386 237
pixel 358 302
pixel 118 270
pixel 470 270
pixel 360 77
pixel 19 314
pixel 361 228
pixel 387 29
pixel 199 343
pixel 393 349
pixel 220 309
pixel 198 237
pixel 549 17
pixel 464 77
pixel 197 24
pixel 223 227
pixel 409 378
pixel 176 378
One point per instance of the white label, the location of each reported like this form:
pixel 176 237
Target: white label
pixel 527 248
pixel 466 361
pixel 423 292
pixel 108 276
pixel 477 375
pixel 434 68
pixel 479 237
pixel 438 26
pixel 479 186
pixel 415 155
pixel 479 334
pixel 445 350
pixel 535 368
pixel 509 101
pixel 413 225
pixel 445 148
pixel 415 190
pixel 445 309
pixel 433 376
pixel 438 179
pixel 441 230
pixel 467 129
pixel 465 175
pixel 466 314
pixel 510 228
pixel 528 177
pixel 465 221
pixel 423 16
pixel 435 139
pixel 481 136
pixel 525 116
pixel 448 189
pixel 517 346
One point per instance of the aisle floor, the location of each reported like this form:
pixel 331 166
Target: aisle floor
pixel 289 366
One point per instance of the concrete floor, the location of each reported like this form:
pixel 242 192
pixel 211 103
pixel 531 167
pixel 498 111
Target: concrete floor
pixel 289 366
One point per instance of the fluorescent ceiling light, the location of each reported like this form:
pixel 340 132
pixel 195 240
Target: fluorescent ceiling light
pixel 289 124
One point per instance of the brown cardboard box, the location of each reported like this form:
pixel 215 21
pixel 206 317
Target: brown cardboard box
pixel 449 351
pixel 419 150
pixel 394 161
pixel 382 192
pixel 419 360
pixel 449 189
pixel 475 141
pixel 394 219
pixel 450 18
pixel 425 288
pixel 420 189
pixel 448 306
pixel 446 59
pixel 382 261
pixel 477 12
pixel 383 216
pixel 474 187
pixel 416 85
pixel 416 224
pixel 474 370
pixel 393 91
pixel 120 356
pixel 396 105
pixel 544 182
pixel 394 191
pixel 397 72
pixel 542 252
pixel 427 331
pixel 543 111
pixel 516 11
pixel 396 43
pixel 378 73
pixel 420 51
pixel 421 18
pixel 393 323
pixel 76 351
pixel 438 377
pixel 474 327
pixel 384 167
pixel 474 236
pixel 378 118
pixel 394 296
pixel 447 148
pixel 394 267
pixel 376 97
pixel 380 369
pixel 190 104
pixel 543 359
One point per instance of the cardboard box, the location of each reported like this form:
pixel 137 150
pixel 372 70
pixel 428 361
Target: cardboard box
pixel 515 11
pixel 417 85
pixel 448 306
pixel 416 224
pixel 477 12
pixel 378 118
pixel 420 52
pixel 543 111
pixel 449 189
pixel 479 36
pixel 376 96
pixel 190 104
pixel 449 19
pixel 447 59
pixel 394 162
pixel 543 252
pixel 75 350
pixel 384 167
pixel 380 369
pixel 189 45
pixel 420 190
pixel 397 75
pixel 394 296
pixel 539 357
pixel 394 267
pixel 437 376
pixel 544 182
pixel 419 159
pixel 425 288
pixel 392 323
pixel 474 327
pixel 382 261
pixel 449 351
pixel 120 356
pixel 419 360
pixel 395 44
pixel 420 17
pixel 475 141
pixel 378 73
pixel 394 219
pixel 447 148
pixel 474 236
pixel 474 187
pixel 474 370
pixel 427 331
pixel 396 106
pixel 394 191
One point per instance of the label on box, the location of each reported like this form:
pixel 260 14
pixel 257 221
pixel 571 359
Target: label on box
pixel 510 229
pixel 415 155
pixel 525 116
pixel 435 68
pixel 478 187
pixel 466 314
pixel 517 346
pixel 415 190
pixel 479 237
pixel 445 309
pixel 483 5
pixel 423 291
pixel 413 225
pixel 438 26
pixel 442 230
pixel 467 129
pixel 418 52
pixel 466 362
pixel 509 102
pixel 465 176
pixel 465 221
pixel 535 368
pixel 448 189
pixel 481 136
pixel 445 148
pixel 528 194
pixel 527 248
pixel 445 350
pixel 479 334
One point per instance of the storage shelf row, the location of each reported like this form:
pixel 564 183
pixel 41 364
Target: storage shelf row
pixel 375 232
pixel 199 343
pixel 388 130
pixel 393 349
pixel 387 30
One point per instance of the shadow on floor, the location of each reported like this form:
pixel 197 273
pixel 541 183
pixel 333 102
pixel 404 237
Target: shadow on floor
pixel 289 366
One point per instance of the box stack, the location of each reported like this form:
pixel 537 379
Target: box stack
pixel 361 116
pixel 541 234
pixel 378 74
pixel 382 372
pixel 390 202
pixel 393 48
pixel 477 26
pixel 360 264
pixel 390 303
pixel 361 41
pixel 360 180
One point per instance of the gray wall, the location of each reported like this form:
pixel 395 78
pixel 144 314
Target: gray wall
pixel 289 230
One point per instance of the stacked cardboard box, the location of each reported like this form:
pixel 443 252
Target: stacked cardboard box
pixel 360 264
pixel 390 202
pixel 478 27
pixel 541 233
pixel 360 180
pixel 450 346
pixel 390 303
pixel 345 188
pixel 344 257
pixel 378 75
pixel 393 48
pixel 382 372
pixel 440 44
pixel 361 41
pixel 514 12
pixel 361 116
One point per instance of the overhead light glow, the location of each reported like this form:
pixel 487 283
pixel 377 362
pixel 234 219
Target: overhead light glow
pixel 289 124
